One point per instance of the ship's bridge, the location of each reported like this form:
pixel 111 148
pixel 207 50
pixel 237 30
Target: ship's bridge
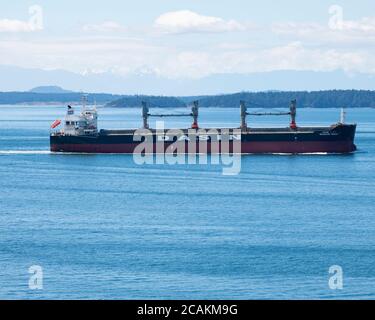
pixel 83 124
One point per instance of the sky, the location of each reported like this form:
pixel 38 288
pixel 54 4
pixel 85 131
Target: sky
pixel 178 39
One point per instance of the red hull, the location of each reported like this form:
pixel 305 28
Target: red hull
pixel 254 147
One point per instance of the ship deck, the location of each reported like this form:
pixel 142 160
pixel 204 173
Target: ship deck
pixel 284 130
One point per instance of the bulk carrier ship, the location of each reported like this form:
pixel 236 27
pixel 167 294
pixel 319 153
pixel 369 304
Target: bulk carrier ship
pixel 81 135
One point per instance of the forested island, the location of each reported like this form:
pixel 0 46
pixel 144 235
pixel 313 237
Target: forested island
pixel 53 98
pixel 268 99
pixel 305 99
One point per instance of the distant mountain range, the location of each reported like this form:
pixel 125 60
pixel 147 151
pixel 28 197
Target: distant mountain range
pixel 275 89
pixel 21 79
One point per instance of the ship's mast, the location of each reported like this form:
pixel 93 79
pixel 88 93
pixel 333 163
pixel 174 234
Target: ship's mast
pixel 293 114
pixel 243 115
pixel 343 116
pixel 84 101
pixel 145 115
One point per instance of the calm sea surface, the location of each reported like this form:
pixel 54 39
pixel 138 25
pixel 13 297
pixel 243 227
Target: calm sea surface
pixel 103 227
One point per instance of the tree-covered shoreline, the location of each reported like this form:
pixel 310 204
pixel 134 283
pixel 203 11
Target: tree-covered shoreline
pixel 269 99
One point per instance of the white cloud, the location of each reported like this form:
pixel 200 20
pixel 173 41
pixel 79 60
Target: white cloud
pixel 346 32
pixel 126 56
pixel 186 21
pixel 366 25
pixel 292 56
pixel 300 29
pixel 7 25
pixel 299 46
pixel 99 54
pixel 107 26
pixel 35 22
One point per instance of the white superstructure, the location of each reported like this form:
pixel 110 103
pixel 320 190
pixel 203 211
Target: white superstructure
pixel 83 124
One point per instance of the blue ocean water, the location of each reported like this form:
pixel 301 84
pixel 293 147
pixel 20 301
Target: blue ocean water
pixel 103 227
